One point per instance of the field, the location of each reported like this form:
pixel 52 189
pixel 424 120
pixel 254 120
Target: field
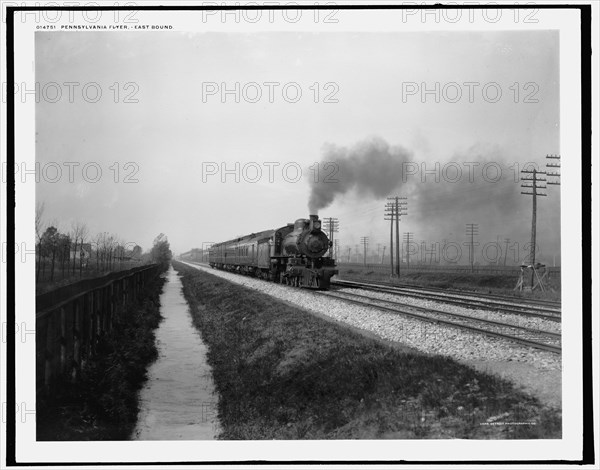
pixel 482 282
pixel 47 282
pixel 282 373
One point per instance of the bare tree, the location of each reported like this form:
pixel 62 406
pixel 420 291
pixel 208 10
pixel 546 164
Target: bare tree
pixel 39 221
pixel 104 250
pixel 161 251
pixel 49 245
pixel 54 244
pixel 99 249
pixel 78 234
pixel 83 234
pixel 111 252
pixel 119 251
pixel 64 249
pixel 61 250
pixel 39 218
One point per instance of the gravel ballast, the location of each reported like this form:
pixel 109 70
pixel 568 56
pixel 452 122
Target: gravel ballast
pixel 494 315
pixel 284 371
pixel 423 336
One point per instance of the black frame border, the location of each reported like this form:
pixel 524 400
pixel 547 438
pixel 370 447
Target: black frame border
pixel 585 10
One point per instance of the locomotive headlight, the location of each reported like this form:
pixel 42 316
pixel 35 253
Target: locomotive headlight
pixel 317 225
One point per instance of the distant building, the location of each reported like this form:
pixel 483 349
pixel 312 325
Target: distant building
pixel 136 253
pixel 82 252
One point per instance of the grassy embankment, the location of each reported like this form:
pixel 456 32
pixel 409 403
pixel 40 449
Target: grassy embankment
pixel 103 405
pixel 482 283
pixel 282 373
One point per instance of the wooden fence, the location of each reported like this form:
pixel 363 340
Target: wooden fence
pixel 70 321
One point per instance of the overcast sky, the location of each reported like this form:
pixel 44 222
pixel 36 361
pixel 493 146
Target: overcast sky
pixel 174 130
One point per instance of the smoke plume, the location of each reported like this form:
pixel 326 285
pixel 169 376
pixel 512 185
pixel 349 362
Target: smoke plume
pixel 370 168
pixel 480 185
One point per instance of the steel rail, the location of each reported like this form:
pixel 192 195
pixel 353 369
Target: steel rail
pixel 465 302
pixel 457 315
pixel 530 343
pixel 507 298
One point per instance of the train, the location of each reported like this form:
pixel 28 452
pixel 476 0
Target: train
pixel 291 255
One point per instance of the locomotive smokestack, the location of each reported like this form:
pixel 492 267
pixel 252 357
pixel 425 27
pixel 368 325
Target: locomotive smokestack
pixel 314 224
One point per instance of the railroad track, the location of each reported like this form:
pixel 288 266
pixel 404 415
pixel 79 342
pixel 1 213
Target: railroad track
pixel 539 339
pixel 462 300
pixel 460 292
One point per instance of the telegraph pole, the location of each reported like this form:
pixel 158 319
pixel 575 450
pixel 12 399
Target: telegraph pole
pixel 331 225
pixel 534 186
pixel 407 240
pixel 389 215
pixel 382 255
pixel 365 242
pixel 472 230
pixel 397 212
pixel 499 250
pixel 507 241
pixel 551 164
pixel 399 209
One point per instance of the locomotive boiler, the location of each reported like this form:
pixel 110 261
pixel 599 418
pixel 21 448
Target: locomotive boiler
pixel 293 255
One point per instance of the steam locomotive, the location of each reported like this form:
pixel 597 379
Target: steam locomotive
pixel 290 255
